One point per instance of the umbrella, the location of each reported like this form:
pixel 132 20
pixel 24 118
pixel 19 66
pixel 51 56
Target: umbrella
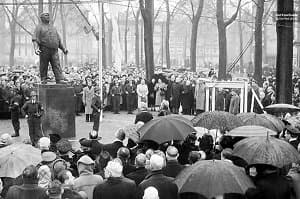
pixel 166 128
pixel 212 178
pixel 251 131
pixel 16 157
pixel 221 120
pixel 281 108
pixel 268 150
pixel 258 120
pixel 279 125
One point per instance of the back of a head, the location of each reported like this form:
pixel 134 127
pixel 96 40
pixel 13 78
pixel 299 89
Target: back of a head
pixel 55 189
pixel 206 142
pixel 113 169
pixel 123 153
pixel 30 173
pixel 157 162
pixel 151 193
pixel 44 143
pixel 120 134
pixel 172 153
pixel 226 142
pixel 194 156
pixel 140 160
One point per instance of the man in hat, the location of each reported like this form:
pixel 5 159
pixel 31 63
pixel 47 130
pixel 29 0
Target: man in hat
pixel 96 106
pixel 46 42
pixel 87 180
pixel 33 111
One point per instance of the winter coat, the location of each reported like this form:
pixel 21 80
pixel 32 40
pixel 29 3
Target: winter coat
pixel 87 180
pixel 87 97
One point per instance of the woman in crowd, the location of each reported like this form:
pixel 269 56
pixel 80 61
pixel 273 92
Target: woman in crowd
pixel 160 89
pixel 142 92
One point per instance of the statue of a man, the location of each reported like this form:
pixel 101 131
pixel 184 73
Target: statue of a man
pixel 46 42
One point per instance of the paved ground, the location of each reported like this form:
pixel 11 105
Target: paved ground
pixel 110 124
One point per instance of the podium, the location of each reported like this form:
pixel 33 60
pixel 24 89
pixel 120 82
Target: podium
pixel 59 109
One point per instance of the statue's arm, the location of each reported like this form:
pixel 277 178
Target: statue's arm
pixel 61 45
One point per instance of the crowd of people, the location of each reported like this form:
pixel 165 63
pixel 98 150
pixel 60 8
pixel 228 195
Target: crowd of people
pixel 125 169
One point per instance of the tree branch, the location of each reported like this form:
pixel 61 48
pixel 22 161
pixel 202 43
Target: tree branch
pixel 158 10
pixel 175 7
pixel 14 19
pixel 233 17
pixel 142 8
pixel 187 14
pixel 192 6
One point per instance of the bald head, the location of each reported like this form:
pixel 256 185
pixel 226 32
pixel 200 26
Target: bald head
pixel 140 160
pixel 120 134
pixel 157 162
pixel 172 153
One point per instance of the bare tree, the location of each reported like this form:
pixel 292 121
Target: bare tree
pixel 64 30
pixel 126 31
pixel 194 18
pixel 137 35
pixel 222 26
pixel 258 41
pixel 12 16
pixel 170 15
pixel 147 8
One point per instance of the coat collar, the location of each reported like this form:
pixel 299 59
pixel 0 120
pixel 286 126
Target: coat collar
pixel 154 173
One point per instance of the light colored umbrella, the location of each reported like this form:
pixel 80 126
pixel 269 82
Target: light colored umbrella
pixel 16 157
pixel 212 178
pixel 166 128
pixel 267 150
pixel 221 120
pixel 251 131
pixel 281 108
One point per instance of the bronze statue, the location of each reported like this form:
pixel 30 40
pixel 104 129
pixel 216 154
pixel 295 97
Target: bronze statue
pixel 46 41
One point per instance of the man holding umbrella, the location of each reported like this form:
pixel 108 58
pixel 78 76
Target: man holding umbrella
pixel 33 111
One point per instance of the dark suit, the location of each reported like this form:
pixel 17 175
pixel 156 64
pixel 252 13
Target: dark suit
pixel 172 168
pixel 165 186
pixel 273 186
pixel 119 188
pixel 143 116
pixel 138 175
pixel 113 148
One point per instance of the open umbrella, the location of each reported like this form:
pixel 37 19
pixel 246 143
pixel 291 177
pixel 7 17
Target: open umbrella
pixel 14 158
pixel 166 128
pixel 258 120
pixel 221 120
pixel 278 123
pixel 281 108
pixel 212 178
pixel 251 131
pixel 268 150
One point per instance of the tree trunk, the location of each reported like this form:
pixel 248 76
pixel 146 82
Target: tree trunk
pixel 64 32
pixel 193 48
pixel 50 11
pixel 137 39
pixel 265 47
pixel 125 33
pixel 222 41
pixel 12 43
pixel 168 59
pixel 142 44
pixel 110 30
pixel 240 26
pixel 147 13
pixel 284 61
pixel 40 7
pixel 258 42
pixel 103 38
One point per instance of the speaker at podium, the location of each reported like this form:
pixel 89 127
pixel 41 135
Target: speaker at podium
pixel 59 109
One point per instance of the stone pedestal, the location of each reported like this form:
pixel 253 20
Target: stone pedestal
pixel 59 105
